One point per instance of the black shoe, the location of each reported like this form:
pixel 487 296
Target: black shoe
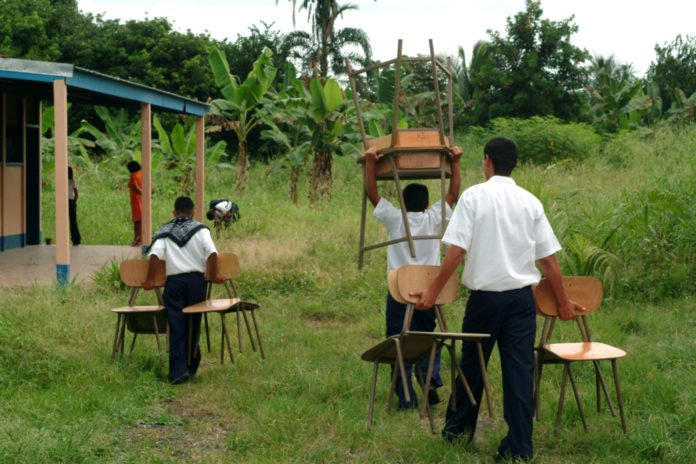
pixel 433 397
pixel 508 457
pixel 452 435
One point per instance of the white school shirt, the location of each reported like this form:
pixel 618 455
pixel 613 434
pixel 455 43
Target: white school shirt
pixel 504 231
pixel 422 223
pixel 191 257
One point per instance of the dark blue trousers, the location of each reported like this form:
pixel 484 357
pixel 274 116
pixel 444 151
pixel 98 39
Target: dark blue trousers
pixel 423 321
pixel 183 290
pixel 510 318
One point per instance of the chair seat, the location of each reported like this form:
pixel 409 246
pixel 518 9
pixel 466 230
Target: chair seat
pixel 584 351
pixel 220 305
pixel 138 309
pixel 212 306
pixel 413 349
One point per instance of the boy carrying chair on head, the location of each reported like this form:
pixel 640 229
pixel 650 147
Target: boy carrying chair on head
pixel 423 220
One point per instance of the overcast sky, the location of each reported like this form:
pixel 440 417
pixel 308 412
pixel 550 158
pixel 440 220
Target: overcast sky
pixel 627 29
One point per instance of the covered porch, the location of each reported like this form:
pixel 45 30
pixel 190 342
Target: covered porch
pixel 24 84
pixel 35 264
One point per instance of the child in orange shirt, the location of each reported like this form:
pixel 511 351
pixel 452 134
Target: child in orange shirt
pixel 135 185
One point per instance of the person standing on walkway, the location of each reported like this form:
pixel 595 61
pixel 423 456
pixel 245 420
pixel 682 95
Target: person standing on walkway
pixel 502 230
pixel 135 187
pixel 75 236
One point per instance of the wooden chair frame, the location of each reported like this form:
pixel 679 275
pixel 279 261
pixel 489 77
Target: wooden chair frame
pixel 412 346
pixel 408 153
pixel 587 291
pixel 228 267
pixel 137 318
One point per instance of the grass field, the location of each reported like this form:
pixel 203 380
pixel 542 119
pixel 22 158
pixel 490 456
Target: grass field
pixel 63 400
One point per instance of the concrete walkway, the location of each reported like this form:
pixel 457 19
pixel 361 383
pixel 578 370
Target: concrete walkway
pixel 21 267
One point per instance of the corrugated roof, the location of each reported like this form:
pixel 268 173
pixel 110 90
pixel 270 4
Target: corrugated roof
pixel 94 84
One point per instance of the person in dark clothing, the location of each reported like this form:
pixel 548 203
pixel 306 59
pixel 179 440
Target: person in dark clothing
pixel 75 236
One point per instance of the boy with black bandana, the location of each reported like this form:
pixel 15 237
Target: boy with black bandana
pixel 187 247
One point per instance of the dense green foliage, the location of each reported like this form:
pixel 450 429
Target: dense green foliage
pixel 675 68
pixel 533 70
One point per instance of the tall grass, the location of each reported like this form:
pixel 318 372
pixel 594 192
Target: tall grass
pixel 63 400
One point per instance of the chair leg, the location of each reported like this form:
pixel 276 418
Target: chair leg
pixel 371 408
pixel 537 384
pixel 258 334
pixel 599 380
pixel 484 377
pixel 392 389
pixel 248 327
pixel 619 399
pixel 457 372
pixel 123 334
pixel 225 339
pixel 207 331
pixel 577 398
pixel 561 399
pixel 115 347
pixel 426 387
pixel 402 369
pixel 135 336
pixel 239 332
pixel 159 346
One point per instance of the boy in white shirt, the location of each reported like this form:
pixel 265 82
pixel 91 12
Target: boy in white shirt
pixel 422 221
pixel 188 248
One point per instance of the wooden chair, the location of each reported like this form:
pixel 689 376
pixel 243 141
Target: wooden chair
pixel 412 347
pixel 414 153
pixel 140 319
pixel 587 291
pixel 228 267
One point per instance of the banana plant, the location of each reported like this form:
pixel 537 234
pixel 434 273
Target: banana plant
pixel 326 121
pixel 177 150
pixel 77 146
pixel 121 141
pixel 683 107
pixel 241 100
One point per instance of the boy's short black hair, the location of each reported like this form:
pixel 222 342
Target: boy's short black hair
pixel 416 197
pixel 503 155
pixel 183 205
pixel 70 173
pixel 133 166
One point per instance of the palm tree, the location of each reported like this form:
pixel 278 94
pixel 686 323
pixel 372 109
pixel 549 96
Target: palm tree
pixel 326 48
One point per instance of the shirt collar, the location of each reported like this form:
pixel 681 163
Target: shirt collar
pixel 502 180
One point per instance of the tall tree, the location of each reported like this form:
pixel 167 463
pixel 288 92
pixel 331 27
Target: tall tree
pixel 533 70
pixel 675 68
pixel 327 47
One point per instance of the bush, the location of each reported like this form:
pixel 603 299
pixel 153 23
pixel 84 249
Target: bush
pixel 543 140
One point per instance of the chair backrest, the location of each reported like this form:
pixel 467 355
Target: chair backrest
pixel 134 272
pixel 228 266
pixel 586 291
pixel 416 277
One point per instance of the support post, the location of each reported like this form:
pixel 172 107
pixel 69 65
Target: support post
pixel 200 168
pixel 146 149
pixel 60 105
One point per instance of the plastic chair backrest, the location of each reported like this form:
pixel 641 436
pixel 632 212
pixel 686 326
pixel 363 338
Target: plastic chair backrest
pixel 586 291
pixel 228 266
pixel 416 277
pixel 134 272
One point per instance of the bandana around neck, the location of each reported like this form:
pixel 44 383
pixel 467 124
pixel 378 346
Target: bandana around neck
pixel 179 230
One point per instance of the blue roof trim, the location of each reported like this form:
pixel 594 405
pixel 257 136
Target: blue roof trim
pixel 92 81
